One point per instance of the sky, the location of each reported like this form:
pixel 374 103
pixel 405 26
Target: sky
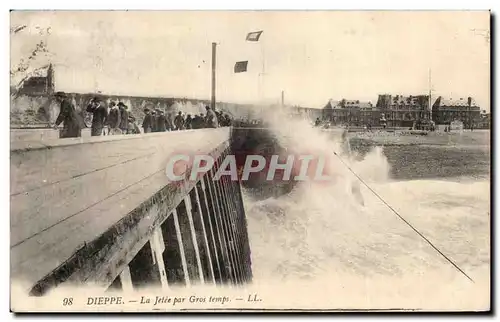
pixel 312 56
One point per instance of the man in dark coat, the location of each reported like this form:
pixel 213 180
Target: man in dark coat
pixel 179 122
pixel 220 120
pixel 211 118
pixel 189 122
pixel 195 124
pixel 147 123
pixel 227 120
pixel 114 118
pixel 154 121
pixel 123 117
pixel 201 125
pixel 133 128
pixel 170 126
pixel 68 116
pixel 161 122
pixel 99 115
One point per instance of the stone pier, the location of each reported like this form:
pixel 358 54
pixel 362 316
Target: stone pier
pixel 101 211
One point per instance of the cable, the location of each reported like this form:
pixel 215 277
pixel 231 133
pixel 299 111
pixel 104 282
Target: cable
pixel 404 220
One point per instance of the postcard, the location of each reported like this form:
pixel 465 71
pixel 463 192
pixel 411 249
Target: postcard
pixel 248 161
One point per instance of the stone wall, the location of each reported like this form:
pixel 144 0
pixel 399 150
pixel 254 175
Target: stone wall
pixel 28 110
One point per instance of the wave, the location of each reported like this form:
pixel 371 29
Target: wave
pixel 321 233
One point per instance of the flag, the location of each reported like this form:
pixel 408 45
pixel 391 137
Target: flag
pixel 254 36
pixel 240 66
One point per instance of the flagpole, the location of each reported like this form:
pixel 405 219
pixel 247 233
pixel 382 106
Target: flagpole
pixel 430 94
pixel 262 90
pixel 263 60
pixel 214 52
pixel 254 37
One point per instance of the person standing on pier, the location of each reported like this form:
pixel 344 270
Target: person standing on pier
pixel 196 123
pixel 211 118
pixel 179 122
pixel 154 121
pixel 219 116
pixel 189 122
pixel 69 117
pixel 133 128
pixel 99 115
pixel 170 123
pixel 123 117
pixel 227 120
pixel 201 125
pixel 113 119
pixel 161 122
pixel 148 121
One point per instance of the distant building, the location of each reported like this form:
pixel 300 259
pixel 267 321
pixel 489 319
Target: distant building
pixel 484 121
pixel 328 113
pixel 445 111
pixel 307 112
pixel 403 111
pixel 352 112
pixel 41 84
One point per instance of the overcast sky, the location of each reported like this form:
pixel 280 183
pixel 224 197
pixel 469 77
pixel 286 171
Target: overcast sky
pixel 312 56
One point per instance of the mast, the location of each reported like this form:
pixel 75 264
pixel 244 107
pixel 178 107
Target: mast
pixel 214 52
pixel 262 79
pixel 430 94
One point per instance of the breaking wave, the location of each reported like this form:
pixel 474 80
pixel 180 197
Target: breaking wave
pixel 322 235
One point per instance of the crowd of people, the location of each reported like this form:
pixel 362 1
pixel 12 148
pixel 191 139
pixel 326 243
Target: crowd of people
pixel 117 119
pixel 156 121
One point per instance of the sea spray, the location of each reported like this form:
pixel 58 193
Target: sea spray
pixel 319 236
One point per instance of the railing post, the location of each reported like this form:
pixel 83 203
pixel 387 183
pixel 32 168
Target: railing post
pixel 181 248
pixel 158 247
pixel 212 231
pixel 144 271
pixel 218 225
pixel 193 235
pixel 235 222
pixel 223 226
pixel 126 280
pixel 205 238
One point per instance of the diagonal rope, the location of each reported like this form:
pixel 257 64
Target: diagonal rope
pixel 404 220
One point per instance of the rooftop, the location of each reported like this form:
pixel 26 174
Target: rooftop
pixel 407 100
pixel 334 104
pixel 461 102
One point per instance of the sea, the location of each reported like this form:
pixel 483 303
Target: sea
pixel 419 238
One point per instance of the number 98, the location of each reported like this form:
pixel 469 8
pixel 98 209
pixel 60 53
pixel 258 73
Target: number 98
pixel 67 301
